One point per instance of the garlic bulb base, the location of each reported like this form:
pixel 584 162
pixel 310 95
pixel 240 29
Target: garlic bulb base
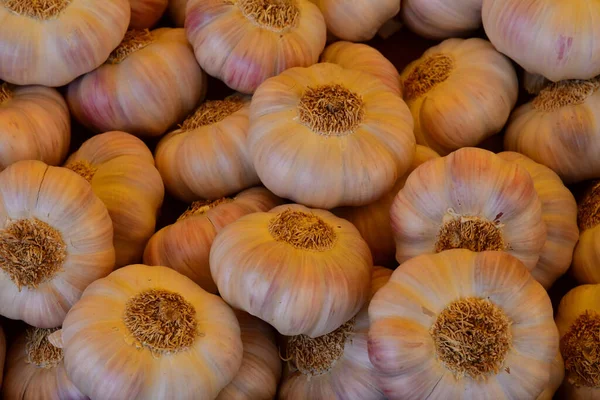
pixel 469 232
pixel 580 348
pixel 31 252
pixel 83 169
pixel 302 230
pixel 565 93
pixel 212 111
pixel 483 349
pixel 588 211
pixel 427 75
pixel 40 351
pixel 42 10
pixel 202 206
pixel 275 16
pixel 134 40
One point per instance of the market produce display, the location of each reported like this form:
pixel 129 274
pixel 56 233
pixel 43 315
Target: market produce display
pixel 299 200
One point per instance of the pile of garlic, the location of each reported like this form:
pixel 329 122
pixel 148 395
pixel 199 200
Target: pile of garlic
pixel 299 199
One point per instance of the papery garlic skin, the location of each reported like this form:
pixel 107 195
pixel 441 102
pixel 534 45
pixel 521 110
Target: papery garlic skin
pixel 58 46
pixel 557 374
pixel 185 245
pixel 260 372
pixel 587 252
pixel 552 38
pixel 120 168
pixel 107 361
pixel 146 13
pixel 460 93
pixel 364 58
pixel 177 10
pixel 357 20
pixel 34 125
pixel 143 93
pixel 351 376
pixel 442 19
pixel 560 128
pixel 469 199
pixel 405 312
pixel 27 380
pixel 207 157
pixel 245 42
pixel 373 220
pixel 559 212
pixel 58 200
pixel 328 158
pixel 303 271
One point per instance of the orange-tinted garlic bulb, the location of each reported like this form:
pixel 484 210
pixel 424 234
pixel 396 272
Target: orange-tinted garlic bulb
pixel 364 58
pixel 146 13
pixel 373 220
pixel 348 137
pixel 35 369
pixel 149 83
pixel 357 20
pixel 462 325
pixel 52 42
pixel 150 333
pixel 176 10
pixel 244 42
pixel 460 93
pixel 34 125
pixel 56 237
pixel 259 375
pixel 586 259
pixel 185 245
pixel 335 366
pixel 559 212
pixel 304 271
pixel 207 156
pixel 471 199
pixel 442 19
pixel 121 170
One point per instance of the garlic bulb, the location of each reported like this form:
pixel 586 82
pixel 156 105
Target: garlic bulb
pixel 207 156
pixel 176 10
pixel 534 83
pixel 462 325
pixel 244 42
pixel 442 19
pixel 260 372
pixel 185 245
pixel 557 374
pixel 364 58
pixel 347 139
pixel 555 39
pixel 52 42
pixel 460 92
pixel 560 129
pixel 35 369
pixel 34 125
pixel 471 199
pixel 559 212
pixel 150 82
pixel 121 170
pixel 148 333
pixel 373 220
pixel 55 239
pixel 334 366
pixel 2 354
pixel 146 13
pixel 586 258
pixel 578 321
pixel 304 271
pixel 357 20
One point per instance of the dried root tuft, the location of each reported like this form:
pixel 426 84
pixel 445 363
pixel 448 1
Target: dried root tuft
pixel 39 350
pixel 202 206
pixel 134 40
pixel 427 75
pixel 302 230
pixel 580 348
pixel 274 15
pixel 565 93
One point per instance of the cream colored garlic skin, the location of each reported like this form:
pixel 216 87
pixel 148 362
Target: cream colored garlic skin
pixel 351 376
pixel 556 39
pixel 34 125
pixel 560 128
pixel 559 212
pixel 57 209
pixel 245 42
pixel 587 252
pixel 150 333
pixel 442 19
pixel 357 20
pixel 364 58
pixel 185 245
pixel 151 82
pixel 460 93
pixel 28 378
pixel 414 338
pixel 121 170
pixel 470 199
pixel 50 43
pixel 146 13
pixel 258 377
pixel 557 374
pixel 176 10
